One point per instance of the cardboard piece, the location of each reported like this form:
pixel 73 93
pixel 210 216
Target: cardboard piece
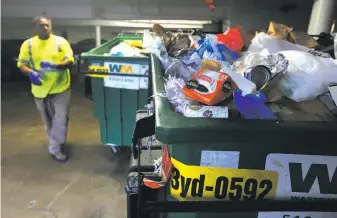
pixel 279 31
pixel 302 38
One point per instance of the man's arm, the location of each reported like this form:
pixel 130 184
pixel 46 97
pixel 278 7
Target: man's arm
pixel 68 59
pixel 23 60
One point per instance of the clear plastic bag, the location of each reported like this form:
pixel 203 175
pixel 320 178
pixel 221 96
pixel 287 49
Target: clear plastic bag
pixel 210 49
pixel 263 41
pixel 307 76
pixel 148 40
pixel 176 68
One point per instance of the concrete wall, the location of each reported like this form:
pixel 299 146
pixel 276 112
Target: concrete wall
pixel 75 34
pixel 242 10
pixel 249 14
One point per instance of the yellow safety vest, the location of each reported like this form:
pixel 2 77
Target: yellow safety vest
pixel 54 49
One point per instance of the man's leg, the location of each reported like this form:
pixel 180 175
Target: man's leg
pixel 58 133
pixel 44 108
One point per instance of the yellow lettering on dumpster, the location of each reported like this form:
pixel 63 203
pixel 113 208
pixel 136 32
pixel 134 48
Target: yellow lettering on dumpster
pixel 126 69
pixel 97 71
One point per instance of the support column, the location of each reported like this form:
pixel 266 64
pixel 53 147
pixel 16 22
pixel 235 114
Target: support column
pixel 98 35
pixel 321 16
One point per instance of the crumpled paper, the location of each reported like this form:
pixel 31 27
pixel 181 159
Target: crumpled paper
pixel 175 94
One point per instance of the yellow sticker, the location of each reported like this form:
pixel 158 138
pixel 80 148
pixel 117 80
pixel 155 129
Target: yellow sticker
pixel 196 183
pixel 98 69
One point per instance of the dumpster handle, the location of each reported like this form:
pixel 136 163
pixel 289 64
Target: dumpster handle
pixel 144 127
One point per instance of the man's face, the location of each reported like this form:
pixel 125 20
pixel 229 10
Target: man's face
pixel 43 28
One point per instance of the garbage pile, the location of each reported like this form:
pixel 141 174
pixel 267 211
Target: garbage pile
pixel 127 48
pixel 210 75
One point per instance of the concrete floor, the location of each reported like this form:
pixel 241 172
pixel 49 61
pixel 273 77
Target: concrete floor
pixel 89 185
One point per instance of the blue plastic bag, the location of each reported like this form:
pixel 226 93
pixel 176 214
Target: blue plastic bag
pixel 227 54
pixel 252 106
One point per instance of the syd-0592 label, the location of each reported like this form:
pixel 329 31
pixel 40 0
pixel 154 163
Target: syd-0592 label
pixel 196 183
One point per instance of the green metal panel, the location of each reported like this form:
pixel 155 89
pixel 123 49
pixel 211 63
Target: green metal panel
pixel 98 97
pixel 103 129
pixel 129 106
pixel 113 115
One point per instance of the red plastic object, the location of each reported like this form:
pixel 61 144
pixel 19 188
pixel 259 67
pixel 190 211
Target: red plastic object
pixel 232 39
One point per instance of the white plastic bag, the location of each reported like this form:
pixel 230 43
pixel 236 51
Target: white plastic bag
pixel 263 41
pixel 148 40
pixel 307 76
pixel 126 50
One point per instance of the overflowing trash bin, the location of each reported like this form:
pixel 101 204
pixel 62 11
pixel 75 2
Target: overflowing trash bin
pixel 244 134
pixel 118 74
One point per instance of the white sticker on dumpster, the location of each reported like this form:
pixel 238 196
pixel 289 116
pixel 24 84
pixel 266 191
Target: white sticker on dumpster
pixel 226 159
pixel 122 82
pixel 126 82
pixel 143 83
pixel 303 178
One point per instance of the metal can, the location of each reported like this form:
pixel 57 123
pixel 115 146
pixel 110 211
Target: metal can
pixel 260 75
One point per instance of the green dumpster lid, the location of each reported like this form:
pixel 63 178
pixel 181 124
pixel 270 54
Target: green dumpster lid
pixel 172 128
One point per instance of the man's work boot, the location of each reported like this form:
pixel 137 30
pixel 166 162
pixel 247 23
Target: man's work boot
pixel 60 156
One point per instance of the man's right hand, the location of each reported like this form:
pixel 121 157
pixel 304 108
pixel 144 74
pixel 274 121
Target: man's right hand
pixel 35 78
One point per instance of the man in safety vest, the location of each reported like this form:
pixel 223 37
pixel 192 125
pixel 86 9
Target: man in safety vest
pixel 46 58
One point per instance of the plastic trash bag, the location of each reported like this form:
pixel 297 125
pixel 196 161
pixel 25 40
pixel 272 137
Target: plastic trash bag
pixel 157 48
pixel 204 45
pixel 125 50
pixel 193 61
pixel 148 40
pixel 252 106
pixel 210 49
pixel 263 41
pixel 232 39
pixel 226 54
pixel 307 76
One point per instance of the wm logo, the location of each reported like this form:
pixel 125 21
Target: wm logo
pixel 114 68
pixel 316 171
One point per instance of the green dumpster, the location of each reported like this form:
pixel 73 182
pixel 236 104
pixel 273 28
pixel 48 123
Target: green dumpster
pixel 295 153
pixel 119 88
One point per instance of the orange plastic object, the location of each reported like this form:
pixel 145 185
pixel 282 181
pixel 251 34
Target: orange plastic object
pixel 232 39
pixel 215 87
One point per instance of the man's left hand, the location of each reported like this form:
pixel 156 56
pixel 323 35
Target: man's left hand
pixel 47 64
